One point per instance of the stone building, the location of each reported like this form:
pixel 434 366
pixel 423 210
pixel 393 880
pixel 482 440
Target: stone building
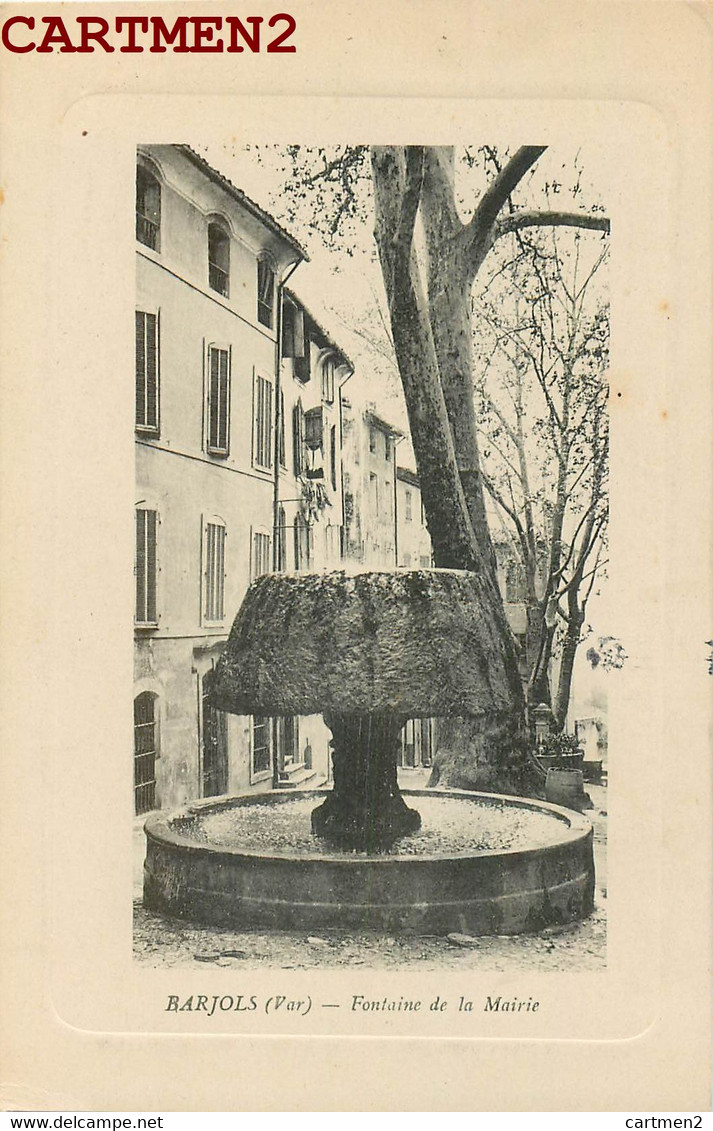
pixel 369 452
pixel 238 470
pixel 413 542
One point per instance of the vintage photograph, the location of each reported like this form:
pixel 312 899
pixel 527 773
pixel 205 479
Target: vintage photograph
pixel 373 648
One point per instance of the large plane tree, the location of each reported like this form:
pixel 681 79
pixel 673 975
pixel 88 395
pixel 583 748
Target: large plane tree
pixel 430 258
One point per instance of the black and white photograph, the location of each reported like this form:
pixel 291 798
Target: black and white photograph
pixel 373 651
pixel 356 432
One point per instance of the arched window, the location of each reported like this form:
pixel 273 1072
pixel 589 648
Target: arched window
pixel 265 291
pixel 145 752
pixel 218 259
pixel 148 208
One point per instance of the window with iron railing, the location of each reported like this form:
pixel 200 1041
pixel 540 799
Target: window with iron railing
pixel 146 567
pixel 148 208
pixel 147 368
pixel 218 259
pixel 145 752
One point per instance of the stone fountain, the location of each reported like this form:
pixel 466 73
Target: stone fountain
pixel 367 651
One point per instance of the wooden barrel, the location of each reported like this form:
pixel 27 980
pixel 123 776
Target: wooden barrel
pixel 564 787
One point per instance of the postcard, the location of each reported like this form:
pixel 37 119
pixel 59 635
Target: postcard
pixel 357 588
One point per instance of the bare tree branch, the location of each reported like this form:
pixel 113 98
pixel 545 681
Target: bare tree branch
pixel 516 221
pixel 478 234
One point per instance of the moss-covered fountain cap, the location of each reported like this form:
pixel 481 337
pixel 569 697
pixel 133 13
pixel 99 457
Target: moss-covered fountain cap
pixel 411 642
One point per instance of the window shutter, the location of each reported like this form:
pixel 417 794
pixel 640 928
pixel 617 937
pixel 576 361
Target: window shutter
pixel 297 439
pixel 206 442
pixel 151 417
pixel 288 328
pixel 299 333
pixel 140 369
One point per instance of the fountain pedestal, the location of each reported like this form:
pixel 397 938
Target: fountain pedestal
pixel 365 810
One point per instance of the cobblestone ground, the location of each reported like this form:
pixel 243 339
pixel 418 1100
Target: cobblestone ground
pixel 160 941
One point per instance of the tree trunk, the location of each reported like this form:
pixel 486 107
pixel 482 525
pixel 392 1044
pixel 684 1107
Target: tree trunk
pixel 539 690
pixel 564 684
pixel 365 811
pixel 433 351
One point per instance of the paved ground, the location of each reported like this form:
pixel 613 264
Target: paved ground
pixel 160 941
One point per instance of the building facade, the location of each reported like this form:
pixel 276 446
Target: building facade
pixel 413 542
pixel 238 471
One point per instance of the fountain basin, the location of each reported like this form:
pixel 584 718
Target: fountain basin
pixel 477 891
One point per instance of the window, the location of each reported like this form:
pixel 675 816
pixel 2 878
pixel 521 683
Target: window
pixel 281 563
pixel 218 409
pixel 214 571
pixel 333 455
pixel 293 340
pixel 372 440
pixel 388 497
pixel 261 744
pixel 261 554
pixel 303 543
pixel 214 768
pixel 374 492
pixel 298 439
pixel 262 442
pixel 146 567
pixel 148 208
pixel 147 373
pixel 218 259
pixel 145 752
pixel 387 448
pixel 265 292
pixel 328 367
pixel 408 512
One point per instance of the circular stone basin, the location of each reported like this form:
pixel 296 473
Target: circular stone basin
pixel 480 864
